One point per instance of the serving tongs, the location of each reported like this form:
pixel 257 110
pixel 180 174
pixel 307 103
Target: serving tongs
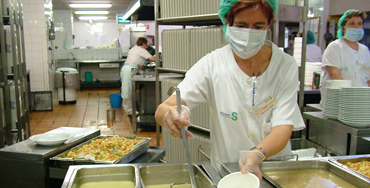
pixel 186 146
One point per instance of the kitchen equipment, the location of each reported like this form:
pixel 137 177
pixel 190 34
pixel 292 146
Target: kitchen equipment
pixel 167 174
pixel 178 101
pixel 26 164
pixel 343 160
pixel 63 161
pixel 67 82
pixel 301 172
pixel 294 172
pixel 123 175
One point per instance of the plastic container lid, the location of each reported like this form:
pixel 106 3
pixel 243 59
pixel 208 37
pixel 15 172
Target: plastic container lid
pixel 67 69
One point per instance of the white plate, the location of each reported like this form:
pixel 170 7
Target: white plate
pixel 239 180
pixel 50 139
pixel 356 124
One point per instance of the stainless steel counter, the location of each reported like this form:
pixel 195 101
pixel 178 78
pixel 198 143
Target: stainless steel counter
pixel 336 136
pixel 25 164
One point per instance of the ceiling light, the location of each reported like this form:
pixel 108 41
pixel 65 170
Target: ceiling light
pixel 93 17
pixel 91 12
pixel 90 5
pixel 131 10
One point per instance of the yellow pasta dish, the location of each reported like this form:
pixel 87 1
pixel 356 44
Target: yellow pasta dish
pixel 363 167
pixel 104 149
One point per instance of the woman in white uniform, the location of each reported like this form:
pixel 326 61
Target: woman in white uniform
pixel 313 52
pixel 136 56
pixel 346 58
pixel 250 87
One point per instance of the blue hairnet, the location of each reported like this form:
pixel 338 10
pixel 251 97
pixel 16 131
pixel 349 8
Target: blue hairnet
pixel 340 23
pixel 226 4
pixel 310 37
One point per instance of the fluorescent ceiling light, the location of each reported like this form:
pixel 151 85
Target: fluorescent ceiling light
pixel 90 5
pixel 91 12
pixel 131 11
pixel 93 17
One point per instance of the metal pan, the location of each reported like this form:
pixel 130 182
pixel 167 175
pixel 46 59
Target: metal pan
pixel 136 151
pixel 342 162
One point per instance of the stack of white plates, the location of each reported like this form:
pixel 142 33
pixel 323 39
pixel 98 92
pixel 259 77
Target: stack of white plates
pixel 332 103
pixel 354 108
pixel 311 67
pixel 297 50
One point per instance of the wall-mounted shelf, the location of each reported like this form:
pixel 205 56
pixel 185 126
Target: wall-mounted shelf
pixel 196 20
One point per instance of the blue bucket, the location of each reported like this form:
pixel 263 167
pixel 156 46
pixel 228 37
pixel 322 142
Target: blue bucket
pixel 115 100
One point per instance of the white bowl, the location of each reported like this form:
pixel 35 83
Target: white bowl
pixel 239 180
pixel 50 139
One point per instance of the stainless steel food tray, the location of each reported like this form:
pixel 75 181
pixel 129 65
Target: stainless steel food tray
pixel 80 174
pixel 138 149
pixel 172 173
pixel 342 160
pixel 345 174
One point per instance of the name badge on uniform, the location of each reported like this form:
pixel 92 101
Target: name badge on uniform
pixel 264 106
pixel 365 69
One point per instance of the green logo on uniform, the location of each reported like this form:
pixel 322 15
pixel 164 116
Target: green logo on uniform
pixel 234 116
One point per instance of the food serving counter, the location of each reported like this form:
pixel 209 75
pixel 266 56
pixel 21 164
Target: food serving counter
pixel 320 172
pixel 335 136
pixel 27 164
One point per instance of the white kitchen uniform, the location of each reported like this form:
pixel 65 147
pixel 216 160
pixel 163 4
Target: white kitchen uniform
pixel 354 65
pixel 216 79
pixel 136 56
pixel 313 53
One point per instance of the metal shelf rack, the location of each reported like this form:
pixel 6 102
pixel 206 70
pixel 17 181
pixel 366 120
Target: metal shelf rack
pixel 21 131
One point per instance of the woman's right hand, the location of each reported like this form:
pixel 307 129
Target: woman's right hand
pixel 173 121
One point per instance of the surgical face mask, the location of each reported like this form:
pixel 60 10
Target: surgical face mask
pixel 354 34
pixel 245 42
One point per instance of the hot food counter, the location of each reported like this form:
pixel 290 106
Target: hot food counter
pixel 27 164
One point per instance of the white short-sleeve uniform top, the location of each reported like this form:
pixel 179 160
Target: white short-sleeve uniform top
pixel 217 80
pixel 137 55
pixel 350 62
pixel 313 53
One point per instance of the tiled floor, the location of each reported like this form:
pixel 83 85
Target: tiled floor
pixel 89 112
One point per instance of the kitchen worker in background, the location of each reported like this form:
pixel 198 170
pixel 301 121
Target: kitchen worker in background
pixel 313 52
pixel 346 58
pixel 136 56
pixel 251 89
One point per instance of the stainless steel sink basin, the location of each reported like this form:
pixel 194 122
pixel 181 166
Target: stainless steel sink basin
pixel 119 174
pixel 172 173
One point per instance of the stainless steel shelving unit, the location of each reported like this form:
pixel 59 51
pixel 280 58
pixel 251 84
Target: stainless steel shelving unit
pixel 294 14
pixel 8 133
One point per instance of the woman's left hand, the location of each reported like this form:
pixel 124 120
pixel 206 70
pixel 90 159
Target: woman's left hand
pixel 249 162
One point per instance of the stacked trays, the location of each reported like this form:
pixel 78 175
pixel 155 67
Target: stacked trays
pixel 331 107
pixel 354 107
pixel 297 50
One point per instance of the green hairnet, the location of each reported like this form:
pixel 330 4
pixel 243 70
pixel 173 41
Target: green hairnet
pixel 310 37
pixel 226 4
pixel 340 23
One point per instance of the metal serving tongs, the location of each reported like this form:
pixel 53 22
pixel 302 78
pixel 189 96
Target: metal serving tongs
pixel 192 178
